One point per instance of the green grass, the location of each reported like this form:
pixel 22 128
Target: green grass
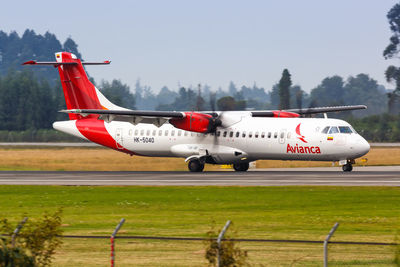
pixel 368 213
pixel 364 214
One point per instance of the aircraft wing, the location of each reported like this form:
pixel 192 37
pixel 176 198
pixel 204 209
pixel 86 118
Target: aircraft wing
pixel 157 118
pixel 306 111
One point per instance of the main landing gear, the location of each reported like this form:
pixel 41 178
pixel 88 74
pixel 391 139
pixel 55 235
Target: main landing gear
pixel 241 167
pixel 195 165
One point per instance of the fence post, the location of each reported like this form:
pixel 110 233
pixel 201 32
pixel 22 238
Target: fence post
pixel 112 241
pixel 331 232
pixel 220 236
pixel 16 231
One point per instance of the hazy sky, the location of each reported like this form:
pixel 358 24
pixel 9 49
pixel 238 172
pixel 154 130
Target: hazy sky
pixel 213 42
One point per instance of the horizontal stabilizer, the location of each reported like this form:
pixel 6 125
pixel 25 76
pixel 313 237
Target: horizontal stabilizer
pixel 55 64
pixel 33 62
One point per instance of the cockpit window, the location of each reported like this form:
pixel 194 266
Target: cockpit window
pixel 325 130
pixel 345 129
pixel 334 130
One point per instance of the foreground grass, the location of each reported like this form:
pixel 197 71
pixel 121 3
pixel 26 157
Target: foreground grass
pixel 364 214
pixel 101 159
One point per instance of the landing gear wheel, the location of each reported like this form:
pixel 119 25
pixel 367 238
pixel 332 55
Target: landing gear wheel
pixel 195 166
pixel 347 167
pixel 241 167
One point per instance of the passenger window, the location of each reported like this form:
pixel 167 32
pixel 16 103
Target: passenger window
pixel 136 132
pixel 231 134
pixel 263 135
pixel 325 130
pixel 218 133
pixel 159 132
pixel 244 134
pixel 345 129
pixel 142 132
pixel 276 135
pixel 250 134
pixel 289 134
pixel 269 134
pixel 166 132
pixel 173 133
pixel 282 135
pixel 334 130
pixel 256 135
pixel 192 134
pixel 154 132
pixel 179 132
pixel 225 132
pixel 130 132
pixel 185 133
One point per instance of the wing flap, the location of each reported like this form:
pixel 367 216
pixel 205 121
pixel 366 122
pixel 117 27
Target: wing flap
pixel 157 118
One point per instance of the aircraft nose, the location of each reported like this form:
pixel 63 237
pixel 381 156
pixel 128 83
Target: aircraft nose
pixel 363 147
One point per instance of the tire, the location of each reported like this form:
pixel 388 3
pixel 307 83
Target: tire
pixel 241 167
pixel 347 167
pixel 195 166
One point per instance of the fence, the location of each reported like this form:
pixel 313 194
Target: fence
pixel 94 250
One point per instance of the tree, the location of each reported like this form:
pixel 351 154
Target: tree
pixel 118 93
pixel 229 103
pixel 329 93
pixel 284 90
pixel 392 73
pixel 38 238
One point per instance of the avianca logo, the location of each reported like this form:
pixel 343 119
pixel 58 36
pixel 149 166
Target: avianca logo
pixel 303 149
pixel 300 136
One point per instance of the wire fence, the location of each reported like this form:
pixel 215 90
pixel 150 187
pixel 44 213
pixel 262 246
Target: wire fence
pixel 190 251
pixel 138 250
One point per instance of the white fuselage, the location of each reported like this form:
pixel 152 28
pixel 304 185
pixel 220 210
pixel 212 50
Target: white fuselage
pixel 245 139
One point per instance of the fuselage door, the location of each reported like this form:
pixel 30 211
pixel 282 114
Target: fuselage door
pixel 119 138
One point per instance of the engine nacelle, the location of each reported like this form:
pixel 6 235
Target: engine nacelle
pixel 194 122
pixel 285 114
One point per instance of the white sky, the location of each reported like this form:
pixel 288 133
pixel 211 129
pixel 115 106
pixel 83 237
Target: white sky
pixel 214 42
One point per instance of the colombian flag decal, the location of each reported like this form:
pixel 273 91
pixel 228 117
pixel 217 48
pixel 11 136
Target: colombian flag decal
pixel 330 138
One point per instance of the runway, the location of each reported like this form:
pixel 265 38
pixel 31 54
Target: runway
pixel 361 176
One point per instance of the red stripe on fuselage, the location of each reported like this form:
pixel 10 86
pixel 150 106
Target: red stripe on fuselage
pixel 95 131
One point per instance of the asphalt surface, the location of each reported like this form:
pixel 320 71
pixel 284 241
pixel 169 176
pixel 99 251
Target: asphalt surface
pixel 361 176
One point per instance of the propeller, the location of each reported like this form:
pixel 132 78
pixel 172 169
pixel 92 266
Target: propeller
pixel 215 121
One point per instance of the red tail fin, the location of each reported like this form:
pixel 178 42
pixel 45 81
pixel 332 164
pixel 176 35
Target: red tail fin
pixel 79 92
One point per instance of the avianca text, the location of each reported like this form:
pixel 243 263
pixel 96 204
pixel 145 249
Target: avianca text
pixel 303 149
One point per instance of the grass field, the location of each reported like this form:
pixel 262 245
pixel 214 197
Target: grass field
pixel 100 159
pixel 364 214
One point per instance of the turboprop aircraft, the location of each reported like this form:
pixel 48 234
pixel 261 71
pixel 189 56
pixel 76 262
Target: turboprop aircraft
pixel 230 137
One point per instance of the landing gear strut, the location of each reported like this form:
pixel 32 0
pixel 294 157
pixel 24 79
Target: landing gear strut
pixel 195 165
pixel 241 167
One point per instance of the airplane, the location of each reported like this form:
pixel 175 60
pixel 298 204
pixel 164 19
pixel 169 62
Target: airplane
pixel 229 137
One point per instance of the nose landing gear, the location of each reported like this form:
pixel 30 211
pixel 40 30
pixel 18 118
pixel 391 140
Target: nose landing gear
pixel 348 167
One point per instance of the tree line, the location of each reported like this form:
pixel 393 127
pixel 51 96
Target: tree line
pixel 30 100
